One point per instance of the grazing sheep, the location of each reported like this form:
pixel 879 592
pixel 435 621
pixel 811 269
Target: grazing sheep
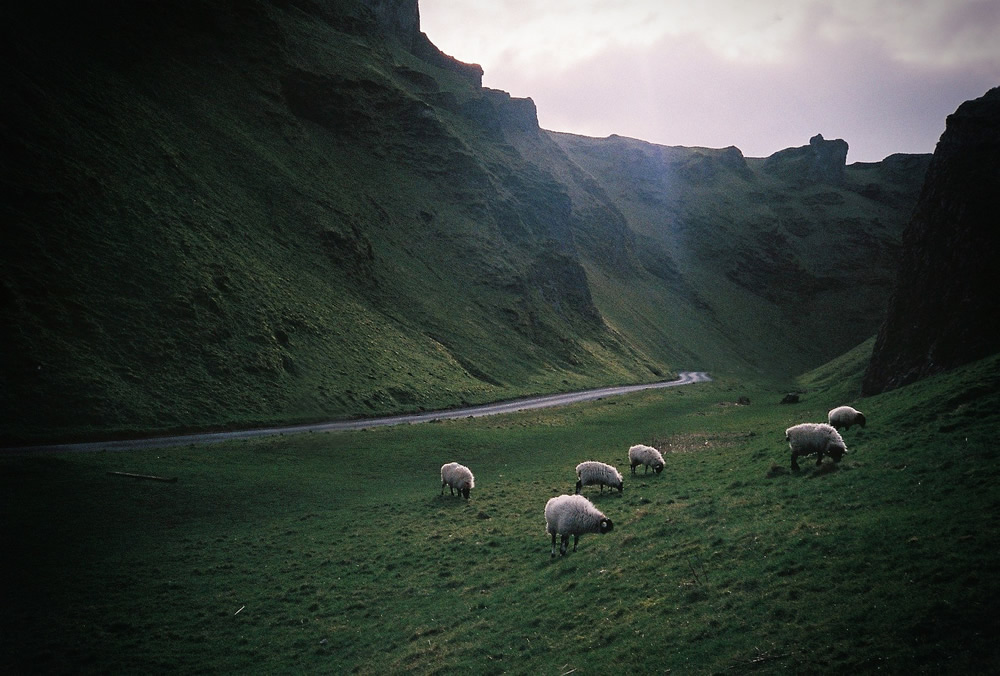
pixel 845 416
pixel 592 472
pixel 457 478
pixel 573 515
pixel 818 438
pixel 640 454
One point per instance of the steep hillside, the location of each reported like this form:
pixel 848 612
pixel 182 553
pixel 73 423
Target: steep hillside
pixel 945 310
pixel 786 260
pixel 225 214
pixel 222 213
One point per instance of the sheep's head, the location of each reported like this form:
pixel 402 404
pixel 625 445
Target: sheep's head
pixel 465 492
pixel 606 526
pixel 836 452
pixel 861 419
pixel 657 466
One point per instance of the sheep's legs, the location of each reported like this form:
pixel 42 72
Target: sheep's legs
pixel 563 544
pixel 795 464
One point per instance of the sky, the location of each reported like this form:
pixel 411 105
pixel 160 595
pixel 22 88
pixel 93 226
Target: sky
pixel 762 75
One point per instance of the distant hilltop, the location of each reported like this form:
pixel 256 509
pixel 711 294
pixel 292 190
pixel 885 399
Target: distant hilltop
pixel 821 161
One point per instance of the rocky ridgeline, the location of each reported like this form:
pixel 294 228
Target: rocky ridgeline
pixel 821 161
pixel 945 311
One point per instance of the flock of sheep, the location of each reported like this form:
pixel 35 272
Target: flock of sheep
pixel 823 438
pixel 575 515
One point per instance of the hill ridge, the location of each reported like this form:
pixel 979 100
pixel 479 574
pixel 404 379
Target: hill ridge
pixel 236 216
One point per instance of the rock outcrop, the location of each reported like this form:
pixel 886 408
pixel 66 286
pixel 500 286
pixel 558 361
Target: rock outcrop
pixel 821 161
pixel 497 110
pixel 397 21
pixel 945 310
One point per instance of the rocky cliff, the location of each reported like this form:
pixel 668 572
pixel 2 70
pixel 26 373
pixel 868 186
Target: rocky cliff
pixel 821 161
pixel 945 310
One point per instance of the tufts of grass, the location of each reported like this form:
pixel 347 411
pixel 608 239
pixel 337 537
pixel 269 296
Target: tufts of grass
pixel 337 553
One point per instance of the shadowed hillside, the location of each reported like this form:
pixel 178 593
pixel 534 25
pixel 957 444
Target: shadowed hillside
pixel 222 213
pixel 784 261
pixel 945 311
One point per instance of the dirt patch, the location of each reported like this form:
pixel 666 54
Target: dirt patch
pixel 692 443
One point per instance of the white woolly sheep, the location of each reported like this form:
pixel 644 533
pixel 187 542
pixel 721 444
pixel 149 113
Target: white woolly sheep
pixel 818 438
pixel 640 454
pixel 845 416
pixel 591 473
pixel 573 515
pixel 457 478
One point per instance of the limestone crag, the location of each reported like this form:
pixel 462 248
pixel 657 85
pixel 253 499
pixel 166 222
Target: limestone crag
pixel 497 110
pixel 821 161
pixel 945 310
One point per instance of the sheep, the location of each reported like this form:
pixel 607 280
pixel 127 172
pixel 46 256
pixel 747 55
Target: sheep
pixel 457 478
pixel 845 416
pixel 574 515
pixel 592 472
pixel 818 438
pixel 641 454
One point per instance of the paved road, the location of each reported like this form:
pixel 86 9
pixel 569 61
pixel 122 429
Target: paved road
pixel 685 378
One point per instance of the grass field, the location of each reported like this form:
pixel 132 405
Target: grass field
pixel 335 553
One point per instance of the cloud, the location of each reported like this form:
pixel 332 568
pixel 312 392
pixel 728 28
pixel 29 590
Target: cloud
pixel 762 76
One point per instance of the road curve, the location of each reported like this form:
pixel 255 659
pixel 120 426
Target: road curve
pixel 529 403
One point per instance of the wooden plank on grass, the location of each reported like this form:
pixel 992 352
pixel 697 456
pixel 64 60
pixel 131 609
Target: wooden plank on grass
pixel 145 476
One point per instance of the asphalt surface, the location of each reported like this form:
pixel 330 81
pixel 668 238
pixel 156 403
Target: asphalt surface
pixel 549 401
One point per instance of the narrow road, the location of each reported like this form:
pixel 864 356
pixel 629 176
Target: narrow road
pixel 549 401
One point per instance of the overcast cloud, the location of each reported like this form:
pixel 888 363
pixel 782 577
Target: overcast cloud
pixel 762 75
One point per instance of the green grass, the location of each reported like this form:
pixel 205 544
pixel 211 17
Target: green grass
pixel 335 553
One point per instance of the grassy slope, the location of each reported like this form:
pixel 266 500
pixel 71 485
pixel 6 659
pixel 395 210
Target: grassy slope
pixel 261 218
pixel 636 282
pixel 325 553
pixel 762 275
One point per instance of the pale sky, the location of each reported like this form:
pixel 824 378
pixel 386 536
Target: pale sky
pixel 762 75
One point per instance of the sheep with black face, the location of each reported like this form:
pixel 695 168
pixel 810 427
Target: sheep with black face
pixel 457 478
pixel 640 454
pixel 574 515
pixel 818 438
pixel 845 417
pixel 594 473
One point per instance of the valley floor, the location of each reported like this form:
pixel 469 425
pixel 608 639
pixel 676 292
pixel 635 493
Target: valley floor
pixel 337 552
